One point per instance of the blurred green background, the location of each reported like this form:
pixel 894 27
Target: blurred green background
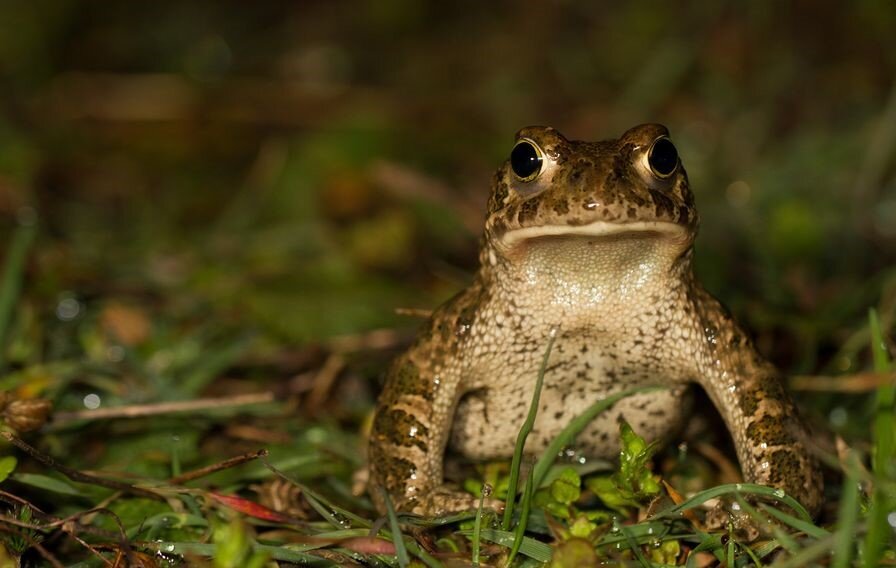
pixel 220 174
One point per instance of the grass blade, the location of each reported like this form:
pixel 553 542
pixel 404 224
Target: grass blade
pixel 766 548
pixel 751 488
pixel 795 523
pixel 786 541
pixel 755 558
pixel 884 449
pixel 477 524
pixel 530 547
pixel 729 550
pixel 322 505
pixel 760 520
pixel 524 433
pixel 47 483
pixel 11 284
pixel 848 514
pixel 641 532
pixel 400 551
pixel 708 543
pixel 520 530
pixel 210 550
pixel 576 425
pixel 634 547
pixel 808 555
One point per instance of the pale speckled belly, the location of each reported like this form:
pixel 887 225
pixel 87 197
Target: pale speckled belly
pixel 488 420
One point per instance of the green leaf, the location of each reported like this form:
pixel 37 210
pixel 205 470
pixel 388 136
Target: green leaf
pixel 545 500
pixel 634 482
pixel 582 527
pixel 7 466
pixel 634 459
pixel 573 553
pixel 236 546
pixel 171 525
pixel 611 493
pixel 566 488
pixel 666 553
pixel 47 483
pixel 530 547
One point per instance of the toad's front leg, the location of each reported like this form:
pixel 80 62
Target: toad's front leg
pixel 770 439
pixel 408 440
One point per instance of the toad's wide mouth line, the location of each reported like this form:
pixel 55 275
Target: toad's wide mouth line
pixel 599 229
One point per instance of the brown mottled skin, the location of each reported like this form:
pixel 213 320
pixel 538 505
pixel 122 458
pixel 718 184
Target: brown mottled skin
pixel 597 247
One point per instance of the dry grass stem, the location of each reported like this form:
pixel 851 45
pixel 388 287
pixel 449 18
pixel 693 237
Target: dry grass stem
pixel 140 410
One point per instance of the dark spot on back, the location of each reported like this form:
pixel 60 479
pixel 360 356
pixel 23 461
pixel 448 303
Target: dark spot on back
pixel 395 426
pixel 405 379
pixel 528 210
pixel 768 429
pixel 561 207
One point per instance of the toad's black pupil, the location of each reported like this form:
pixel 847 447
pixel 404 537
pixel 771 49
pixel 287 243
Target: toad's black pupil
pixel 525 160
pixel 663 157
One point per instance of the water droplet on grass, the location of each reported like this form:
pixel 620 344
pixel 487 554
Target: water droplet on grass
pixel 838 417
pixel 68 308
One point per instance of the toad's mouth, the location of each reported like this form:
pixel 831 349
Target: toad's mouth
pixel 603 230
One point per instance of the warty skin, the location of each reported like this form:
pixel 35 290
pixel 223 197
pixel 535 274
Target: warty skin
pixel 598 249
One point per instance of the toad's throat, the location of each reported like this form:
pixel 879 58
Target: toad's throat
pixel 600 230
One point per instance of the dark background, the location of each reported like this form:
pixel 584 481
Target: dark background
pixel 272 176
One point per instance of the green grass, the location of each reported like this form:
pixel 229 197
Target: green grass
pixel 11 280
pixel 233 202
pixel 477 526
pixel 401 552
pixel 335 525
pixel 883 454
pixel 525 429
pixel 848 515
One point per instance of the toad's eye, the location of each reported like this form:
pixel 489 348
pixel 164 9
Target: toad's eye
pixel 526 160
pixel 662 157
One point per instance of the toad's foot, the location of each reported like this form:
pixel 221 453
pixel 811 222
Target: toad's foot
pixel 446 500
pixel 726 515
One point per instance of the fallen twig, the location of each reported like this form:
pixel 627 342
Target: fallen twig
pixel 208 470
pixel 138 410
pixel 859 382
pixel 414 312
pixel 74 474
pixel 323 382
